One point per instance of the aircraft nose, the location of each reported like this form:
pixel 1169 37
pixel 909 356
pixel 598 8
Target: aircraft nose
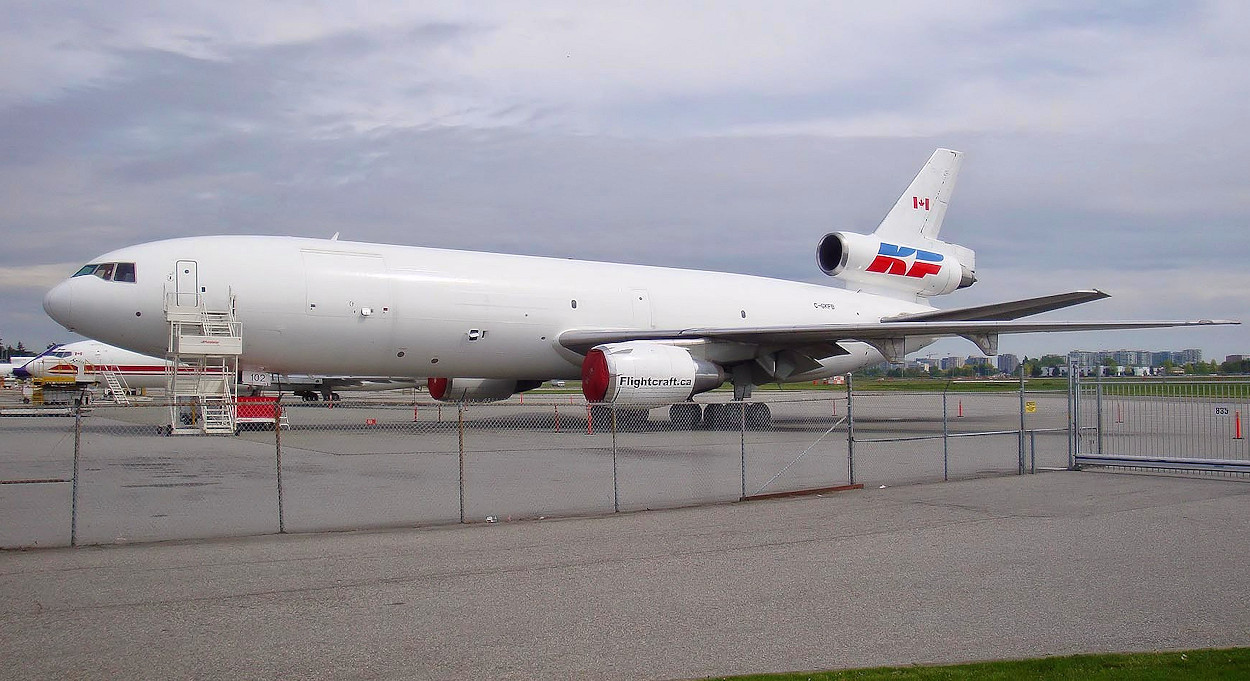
pixel 59 304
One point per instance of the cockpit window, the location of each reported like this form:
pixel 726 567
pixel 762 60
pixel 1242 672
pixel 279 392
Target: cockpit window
pixel 109 271
pixel 55 351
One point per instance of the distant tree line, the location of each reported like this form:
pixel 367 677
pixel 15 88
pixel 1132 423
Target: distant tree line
pixel 893 371
pixel 1046 365
pixel 7 351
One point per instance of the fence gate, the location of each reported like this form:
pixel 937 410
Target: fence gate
pixel 1160 423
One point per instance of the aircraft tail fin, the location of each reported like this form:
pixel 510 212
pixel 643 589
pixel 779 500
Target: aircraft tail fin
pixel 920 210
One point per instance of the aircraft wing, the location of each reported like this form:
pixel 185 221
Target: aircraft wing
pixel 1014 309
pixel 889 335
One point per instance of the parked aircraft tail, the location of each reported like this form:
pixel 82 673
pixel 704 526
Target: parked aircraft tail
pixel 920 210
pixel 903 257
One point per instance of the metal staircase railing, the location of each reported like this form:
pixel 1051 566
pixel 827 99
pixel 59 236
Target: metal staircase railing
pixel 202 366
pixel 114 386
pixel 218 415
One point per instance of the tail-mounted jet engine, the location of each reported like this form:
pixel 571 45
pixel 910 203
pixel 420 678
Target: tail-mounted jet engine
pixel 477 389
pixel 927 268
pixel 646 373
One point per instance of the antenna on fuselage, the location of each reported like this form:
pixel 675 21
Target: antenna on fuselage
pixel 335 237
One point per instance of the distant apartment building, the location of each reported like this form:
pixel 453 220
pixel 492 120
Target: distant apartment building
pixel 1133 358
pixel 1086 359
pixel 1190 356
pixel 948 363
pixel 1008 363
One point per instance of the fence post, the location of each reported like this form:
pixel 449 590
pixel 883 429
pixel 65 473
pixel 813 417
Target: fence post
pixel 1020 438
pixel 460 433
pixel 850 432
pixel 946 435
pixel 742 412
pixel 277 438
pixel 616 493
pixel 1099 410
pixel 1074 423
pixel 73 504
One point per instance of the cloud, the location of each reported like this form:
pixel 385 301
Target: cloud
pixel 38 277
pixel 1102 139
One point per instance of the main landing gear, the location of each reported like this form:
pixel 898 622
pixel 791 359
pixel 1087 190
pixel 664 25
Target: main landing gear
pixel 686 416
pixel 734 415
pixel 312 396
pixel 725 416
pixel 720 416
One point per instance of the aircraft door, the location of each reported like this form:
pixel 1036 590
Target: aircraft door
pixel 641 302
pixel 187 283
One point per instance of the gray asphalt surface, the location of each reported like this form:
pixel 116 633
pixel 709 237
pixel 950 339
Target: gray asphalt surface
pixel 1006 567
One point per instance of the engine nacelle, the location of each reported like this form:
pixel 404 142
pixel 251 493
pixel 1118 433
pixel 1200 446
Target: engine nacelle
pixel 930 268
pixel 476 389
pixel 646 373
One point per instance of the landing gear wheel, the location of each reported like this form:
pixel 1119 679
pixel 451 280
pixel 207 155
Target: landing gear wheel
pixel 711 415
pixel 759 417
pixel 632 419
pixel 724 416
pixel 685 416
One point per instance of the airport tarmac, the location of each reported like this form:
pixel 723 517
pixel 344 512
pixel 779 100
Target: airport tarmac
pixel 1007 567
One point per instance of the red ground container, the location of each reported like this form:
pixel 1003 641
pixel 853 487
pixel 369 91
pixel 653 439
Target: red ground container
pixel 258 409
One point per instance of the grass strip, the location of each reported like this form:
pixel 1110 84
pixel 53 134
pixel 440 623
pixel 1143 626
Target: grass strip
pixel 1231 663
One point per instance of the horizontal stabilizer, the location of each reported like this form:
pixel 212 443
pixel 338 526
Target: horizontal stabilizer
pixel 1014 309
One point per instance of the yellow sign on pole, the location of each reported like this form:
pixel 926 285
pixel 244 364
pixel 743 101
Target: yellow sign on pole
pixel 1030 407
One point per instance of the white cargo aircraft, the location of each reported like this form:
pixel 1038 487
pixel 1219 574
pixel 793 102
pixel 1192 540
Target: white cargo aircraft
pixel 14 364
pixel 489 325
pixel 88 361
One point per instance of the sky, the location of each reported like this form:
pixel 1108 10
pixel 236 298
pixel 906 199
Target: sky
pixel 1106 143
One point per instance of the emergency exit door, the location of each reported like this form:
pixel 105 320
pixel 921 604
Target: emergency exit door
pixel 187 283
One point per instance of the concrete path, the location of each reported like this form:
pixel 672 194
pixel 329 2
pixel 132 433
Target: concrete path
pixel 1007 567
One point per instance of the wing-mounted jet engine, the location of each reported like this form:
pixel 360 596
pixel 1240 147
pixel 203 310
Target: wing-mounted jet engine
pixel 477 389
pixel 645 373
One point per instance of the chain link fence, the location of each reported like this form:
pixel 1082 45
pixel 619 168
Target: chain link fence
pixel 107 473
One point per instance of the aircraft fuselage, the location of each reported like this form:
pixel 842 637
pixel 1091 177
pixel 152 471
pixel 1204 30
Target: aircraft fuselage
pixel 322 306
